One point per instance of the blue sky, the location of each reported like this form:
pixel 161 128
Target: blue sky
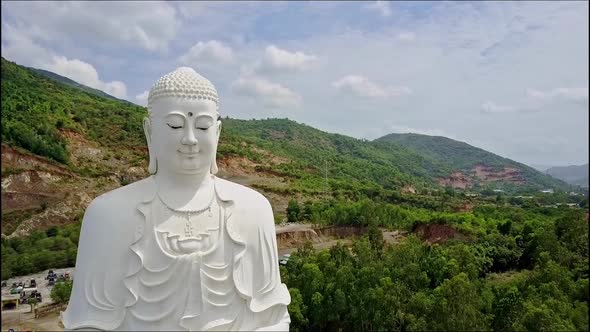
pixel 509 77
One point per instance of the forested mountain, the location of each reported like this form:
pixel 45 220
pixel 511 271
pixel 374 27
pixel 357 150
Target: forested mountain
pixel 474 164
pixel 416 160
pixel 574 174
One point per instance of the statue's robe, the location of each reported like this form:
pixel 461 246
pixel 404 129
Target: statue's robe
pixel 128 277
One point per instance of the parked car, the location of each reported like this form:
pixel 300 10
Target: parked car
pixel 50 274
pixel 33 283
pixel 16 290
pixel 284 259
pixel 4 283
pixel 51 281
pixel 32 295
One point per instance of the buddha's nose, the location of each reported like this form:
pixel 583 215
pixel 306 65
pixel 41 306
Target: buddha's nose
pixel 189 137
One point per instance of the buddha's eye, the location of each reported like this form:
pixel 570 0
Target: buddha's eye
pixel 203 124
pixel 174 127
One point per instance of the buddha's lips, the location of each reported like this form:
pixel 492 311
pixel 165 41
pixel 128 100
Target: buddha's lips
pixel 188 153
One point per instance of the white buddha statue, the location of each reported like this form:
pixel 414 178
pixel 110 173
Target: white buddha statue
pixel 181 249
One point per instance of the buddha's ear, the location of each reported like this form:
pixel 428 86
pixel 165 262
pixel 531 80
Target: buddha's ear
pixel 218 129
pixel 147 129
pixel 214 169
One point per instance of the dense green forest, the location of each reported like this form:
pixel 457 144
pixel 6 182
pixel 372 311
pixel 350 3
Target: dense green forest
pixel 517 269
pixel 523 271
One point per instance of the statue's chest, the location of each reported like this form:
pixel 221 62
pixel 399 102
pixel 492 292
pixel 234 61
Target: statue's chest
pixel 187 270
pixel 191 232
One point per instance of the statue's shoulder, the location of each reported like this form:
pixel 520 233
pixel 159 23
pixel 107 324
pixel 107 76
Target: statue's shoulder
pixel 122 201
pixel 243 197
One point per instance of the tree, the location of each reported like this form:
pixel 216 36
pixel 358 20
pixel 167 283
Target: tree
pixel 61 291
pixel 376 238
pixel 32 302
pixel 458 306
pixel 293 211
pixel 297 311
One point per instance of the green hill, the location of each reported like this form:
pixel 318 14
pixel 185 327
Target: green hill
pixel 473 162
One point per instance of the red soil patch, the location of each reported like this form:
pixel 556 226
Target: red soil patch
pixel 488 174
pixel 435 233
pixel 456 180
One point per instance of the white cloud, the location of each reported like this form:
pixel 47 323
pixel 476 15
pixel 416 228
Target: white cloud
pixel 277 58
pixel 85 73
pixel 151 25
pixel 574 94
pixel 19 47
pixel 382 7
pixel 538 100
pixel 406 36
pixel 491 107
pixel 211 51
pixel 142 98
pixel 271 94
pixel 361 86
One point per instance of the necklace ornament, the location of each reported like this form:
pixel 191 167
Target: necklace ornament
pixel 188 227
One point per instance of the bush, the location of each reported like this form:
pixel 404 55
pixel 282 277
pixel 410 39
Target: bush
pixel 61 291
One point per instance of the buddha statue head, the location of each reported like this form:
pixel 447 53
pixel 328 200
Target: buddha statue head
pixel 183 126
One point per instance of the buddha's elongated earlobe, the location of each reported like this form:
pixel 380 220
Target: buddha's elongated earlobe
pixel 153 162
pixel 214 169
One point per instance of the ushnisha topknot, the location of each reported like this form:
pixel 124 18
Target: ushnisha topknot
pixel 184 82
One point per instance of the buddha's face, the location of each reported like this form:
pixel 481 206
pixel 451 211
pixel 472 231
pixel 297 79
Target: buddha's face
pixel 183 135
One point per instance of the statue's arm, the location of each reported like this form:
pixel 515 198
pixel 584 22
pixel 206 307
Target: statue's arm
pixel 276 298
pixel 280 319
pixel 90 307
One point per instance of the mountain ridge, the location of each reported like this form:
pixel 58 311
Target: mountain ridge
pixel 71 82
pixel 572 174
pixel 466 161
pixel 97 144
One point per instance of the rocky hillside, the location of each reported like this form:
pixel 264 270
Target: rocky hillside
pixel 63 146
